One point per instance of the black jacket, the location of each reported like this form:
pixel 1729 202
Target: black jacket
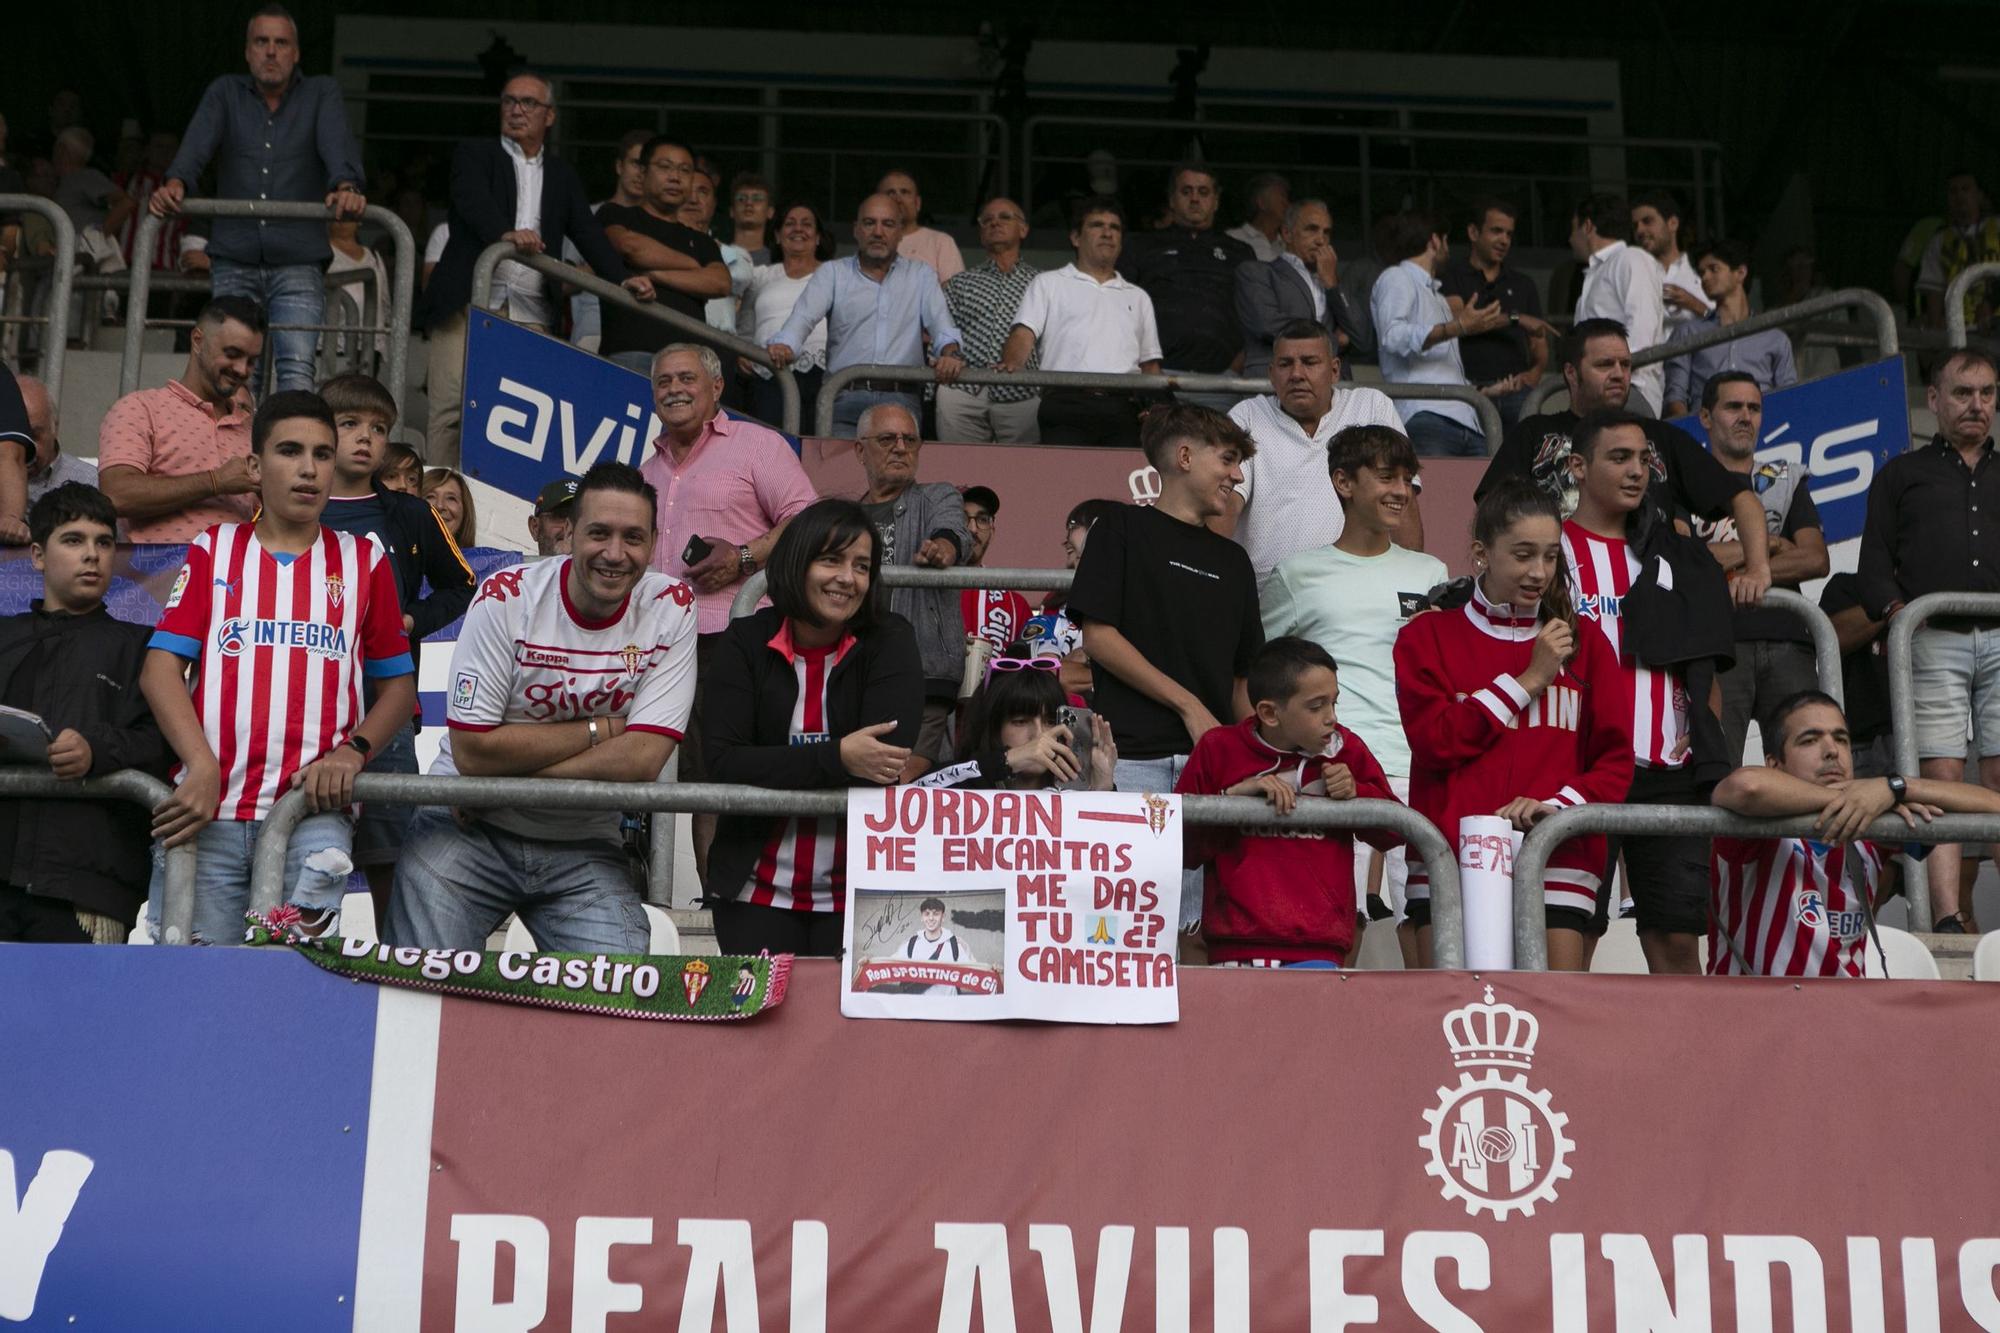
pixel 482 211
pixel 746 723
pixel 1686 622
pixel 93 854
pixel 424 551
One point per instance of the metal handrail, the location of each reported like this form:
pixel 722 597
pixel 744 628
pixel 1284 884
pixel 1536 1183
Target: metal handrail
pixel 1701 151
pixel 56 337
pixel 1871 304
pixel 1903 705
pixel 1531 863
pixel 549 266
pixel 267 874
pixel 1825 638
pixel 402 285
pixel 836 380
pixel 142 789
pixel 1954 299
pixel 911 576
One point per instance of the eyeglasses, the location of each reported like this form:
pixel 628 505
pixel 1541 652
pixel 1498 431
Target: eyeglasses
pixel 886 441
pixel 1049 664
pixel 510 102
pixel 979 520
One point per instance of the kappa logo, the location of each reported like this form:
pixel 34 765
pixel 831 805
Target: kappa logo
pixel 1495 1143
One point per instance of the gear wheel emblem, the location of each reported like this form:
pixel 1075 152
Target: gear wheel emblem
pixel 1496 1145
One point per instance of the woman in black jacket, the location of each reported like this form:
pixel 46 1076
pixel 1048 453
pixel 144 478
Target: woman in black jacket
pixel 824 688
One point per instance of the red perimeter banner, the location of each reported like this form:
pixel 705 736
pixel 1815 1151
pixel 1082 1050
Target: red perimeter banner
pixel 1300 1152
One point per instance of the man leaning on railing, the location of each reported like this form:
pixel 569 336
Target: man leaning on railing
pixel 274 135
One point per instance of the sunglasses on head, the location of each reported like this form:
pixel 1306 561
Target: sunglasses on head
pixel 1020 664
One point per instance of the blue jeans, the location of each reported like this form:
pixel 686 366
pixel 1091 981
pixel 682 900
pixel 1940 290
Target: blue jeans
pixel 1160 775
pixel 290 294
pixel 455 884
pixel 849 404
pixel 379 832
pixel 317 863
pixel 1435 436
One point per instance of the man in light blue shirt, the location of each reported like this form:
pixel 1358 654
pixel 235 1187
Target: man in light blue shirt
pixel 1724 267
pixel 1417 338
pixel 879 307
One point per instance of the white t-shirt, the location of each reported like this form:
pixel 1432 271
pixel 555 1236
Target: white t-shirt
pixel 434 247
pixel 767 303
pixel 1623 282
pixel 526 654
pixel 1681 274
pixel 1289 498
pixel 370 262
pixel 1104 328
pixel 1354 607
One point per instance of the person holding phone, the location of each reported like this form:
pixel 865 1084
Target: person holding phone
pixel 726 487
pixel 823 688
pixel 1504 363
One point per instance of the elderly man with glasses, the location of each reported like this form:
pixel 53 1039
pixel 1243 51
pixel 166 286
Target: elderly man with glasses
pixel 983 303
pixel 919 523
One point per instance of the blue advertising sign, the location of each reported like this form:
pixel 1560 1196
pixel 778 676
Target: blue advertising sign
pixel 536 408
pixel 1841 429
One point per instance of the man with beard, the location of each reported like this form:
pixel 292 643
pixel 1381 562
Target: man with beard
pixel 176 460
pixel 1188 268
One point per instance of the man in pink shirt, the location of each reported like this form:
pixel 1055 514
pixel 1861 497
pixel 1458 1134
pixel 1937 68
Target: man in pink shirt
pixel 727 488
pixel 176 460
pixel 921 242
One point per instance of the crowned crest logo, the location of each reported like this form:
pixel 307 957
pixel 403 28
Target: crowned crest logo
pixel 633 655
pixel 1158 811
pixel 1495 1144
pixel 694 980
pixel 336 589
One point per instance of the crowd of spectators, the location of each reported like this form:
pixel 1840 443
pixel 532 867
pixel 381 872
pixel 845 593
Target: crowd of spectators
pixel 1270 625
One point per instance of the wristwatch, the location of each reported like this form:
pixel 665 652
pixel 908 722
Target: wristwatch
pixel 1897 787
pixel 360 743
pixel 745 562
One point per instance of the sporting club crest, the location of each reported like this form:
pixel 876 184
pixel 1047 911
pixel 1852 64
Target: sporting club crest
pixel 1495 1144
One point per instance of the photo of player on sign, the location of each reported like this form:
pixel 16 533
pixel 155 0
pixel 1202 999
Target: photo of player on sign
pixel 914 944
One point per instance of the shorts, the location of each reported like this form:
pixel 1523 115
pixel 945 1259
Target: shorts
pixel 1418 914
pixel 381 828
pixel 1955 679
pixel 1668 875
pixel 1395 864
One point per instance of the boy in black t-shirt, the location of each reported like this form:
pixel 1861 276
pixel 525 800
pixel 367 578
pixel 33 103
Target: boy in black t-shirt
pixel 686 267
pixel 1169 609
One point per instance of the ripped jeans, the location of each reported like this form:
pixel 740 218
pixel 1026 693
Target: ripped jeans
pixel 317 864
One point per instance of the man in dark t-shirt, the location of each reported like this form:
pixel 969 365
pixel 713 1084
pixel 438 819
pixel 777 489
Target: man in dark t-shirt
pixel 1169 609
pixel 686 267
pixel 1188 270
pixel 1505 363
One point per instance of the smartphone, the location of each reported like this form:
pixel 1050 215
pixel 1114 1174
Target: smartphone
pixel 1078 722
pixel 696 551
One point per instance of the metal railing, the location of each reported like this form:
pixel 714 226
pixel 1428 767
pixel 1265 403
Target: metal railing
pixel 911 576
pixel 402 282
pixel 1871 304
pixel 1531 863
pixel 1903 709
pixel 1825 639
pixel 698 330
pixel 267 874
pixel 55 336
pixel 1701 184
pixel 143 790
pixel 836 380
pixel 1954 299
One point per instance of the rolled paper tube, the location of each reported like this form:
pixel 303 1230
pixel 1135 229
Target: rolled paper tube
pixel 1486 847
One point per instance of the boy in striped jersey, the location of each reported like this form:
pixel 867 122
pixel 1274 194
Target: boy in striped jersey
pixel 1792 907
pixel 255 676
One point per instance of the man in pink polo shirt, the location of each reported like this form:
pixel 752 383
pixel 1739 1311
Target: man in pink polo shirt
pixel 727 485
pixel 176 460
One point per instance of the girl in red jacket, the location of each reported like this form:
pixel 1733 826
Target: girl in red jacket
pixel 1511 712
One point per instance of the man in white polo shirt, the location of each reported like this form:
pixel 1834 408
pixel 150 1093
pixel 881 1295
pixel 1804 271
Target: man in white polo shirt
pixel 1087 318
pixel 1288 504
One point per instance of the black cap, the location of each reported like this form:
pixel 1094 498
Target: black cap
pixel 556 495
pixel 982 496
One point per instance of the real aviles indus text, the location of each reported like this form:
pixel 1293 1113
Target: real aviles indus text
pixel 1446 1280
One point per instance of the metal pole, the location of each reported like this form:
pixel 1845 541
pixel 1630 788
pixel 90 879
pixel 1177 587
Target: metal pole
pixel 753 588
pixel 482 288
pixel 1826 640
pixel 1531 863
pixel 141 789
pixel 1954 299
pixel 268 865
pixel 145 240
pixel 836 380
pixel 55 336
pixel 1902 709
pixel 1868 303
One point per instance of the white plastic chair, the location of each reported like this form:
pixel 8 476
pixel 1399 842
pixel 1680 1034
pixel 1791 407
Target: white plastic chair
pixel 518 938
pixel 1908 959
pixel 666 936
pixel 1618 953
pixel 1986 958
pixel 1380 949
pixel 357 918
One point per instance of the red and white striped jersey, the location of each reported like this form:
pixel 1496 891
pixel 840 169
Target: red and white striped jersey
pixel 280 645
pixel 997 616
pixel 1784 907
pixel 803 867
pixel 1601 571
pixel 527 653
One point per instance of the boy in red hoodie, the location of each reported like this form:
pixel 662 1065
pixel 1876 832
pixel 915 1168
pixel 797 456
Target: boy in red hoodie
pixel 1282 898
